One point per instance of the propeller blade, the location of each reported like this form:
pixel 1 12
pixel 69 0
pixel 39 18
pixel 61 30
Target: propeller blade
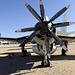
pixel 25 29
pixel 63 24
pixel 33 12
pixel 29 38
pixel 59 13
pixel 58 40
pixel 42 10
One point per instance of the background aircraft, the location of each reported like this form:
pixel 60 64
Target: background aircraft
pixel 63 30
pixel 44 34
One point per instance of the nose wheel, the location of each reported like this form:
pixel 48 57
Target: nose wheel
pixel 45 63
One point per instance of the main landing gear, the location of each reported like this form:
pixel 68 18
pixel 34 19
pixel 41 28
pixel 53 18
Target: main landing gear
pixel 63 51
pixel 24 51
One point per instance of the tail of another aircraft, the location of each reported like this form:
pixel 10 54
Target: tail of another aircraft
pixel 64 29
pixel 0 34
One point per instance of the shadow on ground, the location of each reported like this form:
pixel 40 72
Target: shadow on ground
pixel 9 66
pixel 60 57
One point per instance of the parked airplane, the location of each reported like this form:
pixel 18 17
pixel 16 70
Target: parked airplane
pixel 44 34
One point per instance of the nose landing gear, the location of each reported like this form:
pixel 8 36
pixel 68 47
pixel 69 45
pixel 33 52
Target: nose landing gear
pixel 45 63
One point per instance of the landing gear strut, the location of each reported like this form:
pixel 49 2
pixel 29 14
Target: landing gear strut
pixel 24 51
pixel 47 55
pixel 63 51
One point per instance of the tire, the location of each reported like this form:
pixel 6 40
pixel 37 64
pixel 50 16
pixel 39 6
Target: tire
pixel 45 63
pixel 63 52
pixel 25 52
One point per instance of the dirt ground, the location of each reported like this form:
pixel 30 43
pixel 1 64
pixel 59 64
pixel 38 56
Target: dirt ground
pixel 31 65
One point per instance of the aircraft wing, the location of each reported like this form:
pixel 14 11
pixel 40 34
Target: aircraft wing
pixel 67 38
pixel 19 40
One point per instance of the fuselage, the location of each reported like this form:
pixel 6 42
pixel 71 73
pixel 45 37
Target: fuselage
pixel 39 39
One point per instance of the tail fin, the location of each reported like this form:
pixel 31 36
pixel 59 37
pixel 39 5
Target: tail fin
pixel 64 29
pixel 0 34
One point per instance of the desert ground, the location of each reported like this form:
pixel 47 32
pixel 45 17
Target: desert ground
pixel 31 64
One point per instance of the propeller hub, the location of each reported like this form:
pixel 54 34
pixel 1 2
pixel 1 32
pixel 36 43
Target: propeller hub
pixel 43 26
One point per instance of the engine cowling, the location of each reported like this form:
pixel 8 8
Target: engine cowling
pixel 38 49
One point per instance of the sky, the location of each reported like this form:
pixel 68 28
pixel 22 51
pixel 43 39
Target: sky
pixel 14 15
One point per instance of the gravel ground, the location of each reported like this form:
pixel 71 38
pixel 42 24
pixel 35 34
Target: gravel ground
pixel 31 65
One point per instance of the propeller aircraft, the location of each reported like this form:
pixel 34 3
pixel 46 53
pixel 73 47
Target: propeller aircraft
pixel 44 34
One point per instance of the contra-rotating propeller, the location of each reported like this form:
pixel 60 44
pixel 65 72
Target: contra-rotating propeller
pixel 42 22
